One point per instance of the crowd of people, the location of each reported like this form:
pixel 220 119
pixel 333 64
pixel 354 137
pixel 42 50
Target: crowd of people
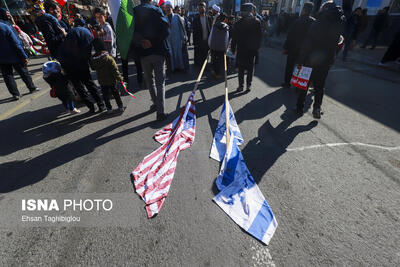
pixel 159 48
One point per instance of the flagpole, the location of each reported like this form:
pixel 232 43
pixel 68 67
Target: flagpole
pixel 226 103
pixel 200 74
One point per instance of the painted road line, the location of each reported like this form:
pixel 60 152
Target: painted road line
pixel 23 104
pixel 344 144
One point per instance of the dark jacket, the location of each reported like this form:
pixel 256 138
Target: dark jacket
pixel 106 68
pixel 65 25
pixel 61 85
pixel 11 50
pixel 296 35
pixel 198 30
pixel 152 25
pixel 381 21
pixel 247 34
pixel 320 45
pixel 75 52
pixel 50 27
pixel 219 37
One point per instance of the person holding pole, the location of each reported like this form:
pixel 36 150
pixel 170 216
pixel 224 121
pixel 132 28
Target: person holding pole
pixel 218 43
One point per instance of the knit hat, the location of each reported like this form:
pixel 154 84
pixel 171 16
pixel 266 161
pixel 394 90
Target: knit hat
pixel 51 67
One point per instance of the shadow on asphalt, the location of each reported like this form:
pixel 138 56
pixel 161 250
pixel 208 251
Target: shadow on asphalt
pixel 20 173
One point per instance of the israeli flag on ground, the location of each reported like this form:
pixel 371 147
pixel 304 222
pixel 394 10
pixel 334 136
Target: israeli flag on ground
pixel 241 198
pixel 239 194
pixel 218 147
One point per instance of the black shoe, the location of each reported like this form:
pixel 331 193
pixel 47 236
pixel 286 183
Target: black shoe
pixel 102 108
pixel 153 107
pixel 16 97
pixel 161 116
pixel 248 88
pixel 285 85
pixel 317 113
pixel 92 109
pixel 33 90
pixel 240 89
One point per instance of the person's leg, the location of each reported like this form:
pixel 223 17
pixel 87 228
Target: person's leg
pixel 84 95
pixel 196 58
pixel 374 39
pixel 8 76
pixel 139 71
pixel 149 77
pixel 368 39
pixel 25 76
pixel 214 61
pixel 241 76
pixel 250 71
pixel 116 95
pixel 319 83
pixel 65 104
pixel 94 91
pixel 301 99
pixel 105 90
pixel 125 72
pixel 159 72
pixel 290 62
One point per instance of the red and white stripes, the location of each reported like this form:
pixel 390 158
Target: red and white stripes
pixel 152 178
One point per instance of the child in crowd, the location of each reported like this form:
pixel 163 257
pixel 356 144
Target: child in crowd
pixel 107 74
pixel 63 89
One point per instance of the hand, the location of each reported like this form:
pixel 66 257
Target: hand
pixel 298 66
pixel 25 62
pixel 63 31
pixel 146 44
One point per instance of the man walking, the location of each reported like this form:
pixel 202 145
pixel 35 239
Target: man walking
pixel 295 39
pixel 247 36
pixel 150 38
pixel 201 30
pixel 319 52
pixel 12 55
pixel 176 38
pixel 380 23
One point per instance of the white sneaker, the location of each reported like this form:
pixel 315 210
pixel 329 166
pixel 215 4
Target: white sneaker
pixel 75 111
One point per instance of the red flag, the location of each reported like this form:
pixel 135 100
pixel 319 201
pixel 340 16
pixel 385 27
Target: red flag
pixel 61 2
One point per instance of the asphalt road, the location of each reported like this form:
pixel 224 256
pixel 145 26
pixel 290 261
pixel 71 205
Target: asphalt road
pixel 333 184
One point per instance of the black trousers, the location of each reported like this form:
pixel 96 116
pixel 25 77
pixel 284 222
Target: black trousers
pixel 245 62
pixel 217 60
pixel 290 62
pixel 200 53
pixel 318 78
pixel 373 36
pixel 8 76
pixel 139 70
pixel 82 79
pixel 106 90
pixel 393 51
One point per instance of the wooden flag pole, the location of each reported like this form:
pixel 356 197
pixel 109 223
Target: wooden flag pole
pixel 200 74
pixel 226 103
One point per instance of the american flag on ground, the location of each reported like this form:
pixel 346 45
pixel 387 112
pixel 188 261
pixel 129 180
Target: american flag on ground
pixel 152 178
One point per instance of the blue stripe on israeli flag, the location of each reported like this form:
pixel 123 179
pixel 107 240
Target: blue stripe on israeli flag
pixel 218 148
